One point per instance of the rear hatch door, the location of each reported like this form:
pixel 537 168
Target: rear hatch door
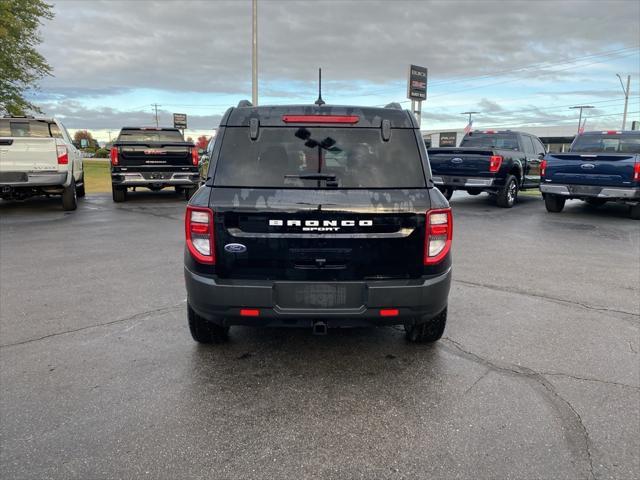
pixel 319 203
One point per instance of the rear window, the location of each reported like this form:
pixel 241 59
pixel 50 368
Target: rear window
pixel 607 143
pixel 28 128
pixel 319 157
pixel 150 136
pixel 503 141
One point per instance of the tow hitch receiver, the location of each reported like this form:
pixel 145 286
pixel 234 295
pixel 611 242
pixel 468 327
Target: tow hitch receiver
pixel 319 328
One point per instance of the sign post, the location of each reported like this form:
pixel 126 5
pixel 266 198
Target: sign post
pixel 180 121
pixel 417 88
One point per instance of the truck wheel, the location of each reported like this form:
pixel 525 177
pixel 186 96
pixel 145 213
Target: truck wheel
pixel 429 330
pixel 188 192
pixel 204 331
pixel 474 191
pixel 118 194
pixel 70 196
pixel 554 203
pixel 447 192
pixel 595 202
pixel 80 192
pixel 507 196
pixel 634 211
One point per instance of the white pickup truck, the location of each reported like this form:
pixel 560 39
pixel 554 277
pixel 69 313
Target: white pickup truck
pixel 37 157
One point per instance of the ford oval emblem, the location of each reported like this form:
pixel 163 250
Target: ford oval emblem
pixel 456 160
pixel 235 248
pixel 588 166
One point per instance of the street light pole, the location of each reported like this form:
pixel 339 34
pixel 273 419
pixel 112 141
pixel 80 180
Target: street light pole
pixel 581 107
pixel 254 55
pixel 626 98
pixel 469 113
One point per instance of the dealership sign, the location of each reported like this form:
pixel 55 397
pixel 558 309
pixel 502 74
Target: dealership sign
pixel 417 84
pixel 180 120
pixel 448 139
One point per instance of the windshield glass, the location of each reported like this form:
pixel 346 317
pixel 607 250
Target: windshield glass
pixel 25 128
pixel 607 143
pixel 319 157
pixel 503 141
pixel 150 136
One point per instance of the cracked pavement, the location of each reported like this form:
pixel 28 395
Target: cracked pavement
pixel 538 375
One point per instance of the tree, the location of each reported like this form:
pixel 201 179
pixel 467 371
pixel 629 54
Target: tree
pixel 202 142
pixel 84 135
pixel 21 66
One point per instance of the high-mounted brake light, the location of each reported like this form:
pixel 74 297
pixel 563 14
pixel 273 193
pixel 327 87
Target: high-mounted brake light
pixel 63 155
pixel 612 132
pixel 199 234
pixel 543 167
pixel 495 161
pixel 195 158
pixel 636 172
pixel 438 235
pixel 113 154
pixel 489 131
pixel 320 119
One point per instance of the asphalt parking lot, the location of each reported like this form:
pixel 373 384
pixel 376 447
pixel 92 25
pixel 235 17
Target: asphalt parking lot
pixel 538 375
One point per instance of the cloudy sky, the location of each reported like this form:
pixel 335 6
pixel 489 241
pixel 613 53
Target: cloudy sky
pixel 519 63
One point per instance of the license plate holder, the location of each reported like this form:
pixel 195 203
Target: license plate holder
pixel 305 296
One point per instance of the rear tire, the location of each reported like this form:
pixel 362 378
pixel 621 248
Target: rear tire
pixel 70 196
pixel 634 211
pixel 204 331
pixel 447 192
pixel 427 331
pixel 507 196
pixel 80 189
pixel 189 192
pixel 554 203
pixel 595 202
pixel 119 194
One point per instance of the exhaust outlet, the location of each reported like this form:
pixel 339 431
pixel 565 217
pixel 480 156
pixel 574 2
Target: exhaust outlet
pixel 319 328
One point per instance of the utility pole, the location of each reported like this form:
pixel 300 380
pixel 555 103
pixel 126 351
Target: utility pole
pixel 469 113
pixel 254 55
pixel 626 98
pixel 581 107
pixel 155 106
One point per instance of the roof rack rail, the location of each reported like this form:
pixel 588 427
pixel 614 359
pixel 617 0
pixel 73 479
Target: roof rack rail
pixel 394 105
pixel 244 103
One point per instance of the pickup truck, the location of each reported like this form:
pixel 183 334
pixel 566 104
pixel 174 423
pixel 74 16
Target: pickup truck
pixel 498 162
pixel 153 158
pixel 600 167
pixel 38 157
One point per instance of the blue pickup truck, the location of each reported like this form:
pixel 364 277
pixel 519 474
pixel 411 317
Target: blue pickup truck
pixel 600 167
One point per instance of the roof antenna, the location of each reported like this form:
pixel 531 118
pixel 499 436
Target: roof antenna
pixel 319 101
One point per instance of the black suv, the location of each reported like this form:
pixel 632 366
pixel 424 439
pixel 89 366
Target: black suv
pixel 318 216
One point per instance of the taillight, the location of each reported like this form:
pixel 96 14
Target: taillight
pixel 543 167
pixel 199 234
pixel 636 172
pixel 494 163
pixel 195 159
pixel 113 154
pixel 63 155
pixel 438 235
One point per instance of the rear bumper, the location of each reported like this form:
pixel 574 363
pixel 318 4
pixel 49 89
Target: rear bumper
pixel 464 182
pixel 34 179
pixel 133 179
pixel 221 301
pixel 590 191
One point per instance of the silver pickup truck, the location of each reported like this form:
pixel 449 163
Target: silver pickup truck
pixel 37 157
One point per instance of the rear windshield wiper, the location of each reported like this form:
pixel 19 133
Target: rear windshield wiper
pixel 313 176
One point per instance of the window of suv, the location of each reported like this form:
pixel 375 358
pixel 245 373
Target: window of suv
pixel 334 157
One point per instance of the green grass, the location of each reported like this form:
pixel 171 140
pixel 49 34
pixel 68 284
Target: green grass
pixel 97 178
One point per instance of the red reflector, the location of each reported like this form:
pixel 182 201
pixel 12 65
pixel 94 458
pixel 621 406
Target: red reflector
pixel 389 312
pixel 494 163
pixel 249 312
pixel 320 118
pixel 113 154
pixel 195 159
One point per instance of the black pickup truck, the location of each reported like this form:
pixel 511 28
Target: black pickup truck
pixel 153 158
pixel 318 216
pixel 498 162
